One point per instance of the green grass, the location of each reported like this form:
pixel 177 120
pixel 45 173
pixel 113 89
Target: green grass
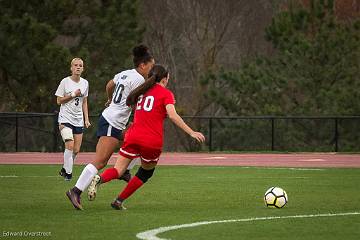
pixel 35 202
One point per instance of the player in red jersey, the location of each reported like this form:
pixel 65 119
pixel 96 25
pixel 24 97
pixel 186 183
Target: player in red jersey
pixel 144 139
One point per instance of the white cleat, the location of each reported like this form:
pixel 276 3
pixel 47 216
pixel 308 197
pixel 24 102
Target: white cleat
pixel 92 189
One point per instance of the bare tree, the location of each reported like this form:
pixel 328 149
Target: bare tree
pixel 195 37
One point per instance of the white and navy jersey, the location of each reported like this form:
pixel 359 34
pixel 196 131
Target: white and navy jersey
pixel 118 113
pixel 72 112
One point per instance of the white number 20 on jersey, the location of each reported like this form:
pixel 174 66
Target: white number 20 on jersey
pixel 147 104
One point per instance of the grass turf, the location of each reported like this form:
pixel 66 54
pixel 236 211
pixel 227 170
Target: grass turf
pixel 33 200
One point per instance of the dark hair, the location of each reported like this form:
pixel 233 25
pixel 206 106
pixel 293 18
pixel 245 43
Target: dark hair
pixel 156 73
pixel 141 55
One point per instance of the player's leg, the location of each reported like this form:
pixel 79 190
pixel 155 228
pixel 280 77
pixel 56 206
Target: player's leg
pixel 106 145
pixel 118 169
pixel 68 160
pixel 68 138
pixel 108 175
pixel 78 137
pixel 104 149
pixel 144 173
pixel 149 158
pixel 109 139
pixel 127 153
pixel 77 144
pixel 72 148
pixel 127 175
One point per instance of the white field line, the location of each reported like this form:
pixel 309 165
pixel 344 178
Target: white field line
pixel 151 234
pixel 265 168
pixel 287 168
pixel 312 160
pixel 216 177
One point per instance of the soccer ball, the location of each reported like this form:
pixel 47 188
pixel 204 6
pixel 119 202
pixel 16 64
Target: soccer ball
pixel 275 197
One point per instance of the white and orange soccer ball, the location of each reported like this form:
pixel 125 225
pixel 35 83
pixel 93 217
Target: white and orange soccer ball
pixel 275 197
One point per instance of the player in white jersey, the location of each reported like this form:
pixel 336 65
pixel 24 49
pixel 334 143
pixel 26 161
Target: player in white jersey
pixel 113 120
pixel 72 94
pixel 117 113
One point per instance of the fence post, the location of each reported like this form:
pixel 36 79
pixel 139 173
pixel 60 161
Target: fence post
pixel 272 134
pixel 336 135
pixel 16 132
pixel 55 129
pixel 210 134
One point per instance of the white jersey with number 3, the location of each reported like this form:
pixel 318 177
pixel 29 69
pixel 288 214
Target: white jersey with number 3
pixel 118 113
pixel 72 112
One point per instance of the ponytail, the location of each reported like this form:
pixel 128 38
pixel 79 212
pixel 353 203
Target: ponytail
pixel 157 73
pixel 140 90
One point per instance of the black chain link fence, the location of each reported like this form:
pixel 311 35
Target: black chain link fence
pixel 38 132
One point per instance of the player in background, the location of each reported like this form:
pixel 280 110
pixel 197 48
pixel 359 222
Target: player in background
pixel 115 117
pixel 72 95
pixel 144 138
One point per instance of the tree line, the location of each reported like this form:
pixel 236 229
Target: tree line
pixel 235 57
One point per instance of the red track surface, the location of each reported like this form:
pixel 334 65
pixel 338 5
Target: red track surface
pixel 210 159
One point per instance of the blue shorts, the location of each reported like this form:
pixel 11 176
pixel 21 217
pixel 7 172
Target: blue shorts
pixel 105 129
pixel 75 130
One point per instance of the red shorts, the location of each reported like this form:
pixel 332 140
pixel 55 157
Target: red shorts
pixel 133 150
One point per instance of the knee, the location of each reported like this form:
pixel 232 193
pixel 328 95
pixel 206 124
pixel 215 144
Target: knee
pixel 99 165
pixel 70 147
pixel 144 175
pixel 76 149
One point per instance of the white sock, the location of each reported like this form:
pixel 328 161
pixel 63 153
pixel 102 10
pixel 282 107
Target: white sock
pixel 86 176
pixel 68 161
pixel 133 163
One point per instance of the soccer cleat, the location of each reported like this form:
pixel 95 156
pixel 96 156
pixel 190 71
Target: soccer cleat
pixel 74 199
pixel 126 176
pixel 117 205
pixel 62 172
pixel 92 189
pixel 68 176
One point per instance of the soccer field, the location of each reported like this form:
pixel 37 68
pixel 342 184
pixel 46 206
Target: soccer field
pixel 323 204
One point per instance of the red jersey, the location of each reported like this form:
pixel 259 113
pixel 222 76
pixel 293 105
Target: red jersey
pixel 150 112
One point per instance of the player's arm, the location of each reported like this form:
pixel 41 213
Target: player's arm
pixel 175 118
pixel 61 100
pixel 110 87
pixel 86 112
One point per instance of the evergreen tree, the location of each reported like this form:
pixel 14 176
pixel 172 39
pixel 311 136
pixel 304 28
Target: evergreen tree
pixel 39 38
pixel 314 71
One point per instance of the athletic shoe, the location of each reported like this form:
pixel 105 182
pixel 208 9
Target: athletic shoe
pixel 117 205
pixel 126 176
pixel 74 199
pixel 68 176
pixel 92 189
pixel 62 172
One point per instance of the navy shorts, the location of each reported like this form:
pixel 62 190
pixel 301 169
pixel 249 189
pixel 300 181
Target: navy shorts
pixel 75 130
pixel 105 129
